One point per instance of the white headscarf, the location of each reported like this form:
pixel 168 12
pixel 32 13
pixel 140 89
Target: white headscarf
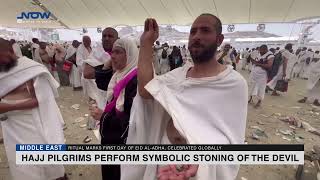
pixel 132 53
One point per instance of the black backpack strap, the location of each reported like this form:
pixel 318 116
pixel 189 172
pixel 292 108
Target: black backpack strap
pixel 268 56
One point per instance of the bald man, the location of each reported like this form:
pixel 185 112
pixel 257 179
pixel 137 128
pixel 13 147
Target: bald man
pixel 109 36
pixel 28 111
pixel 83 53
pixel 96 60
pixel 75 74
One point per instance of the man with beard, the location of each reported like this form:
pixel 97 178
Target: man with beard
pixel 259 76
pixel 169 109
pixel 34 46
pixel 157 56
pixel 101 68
pixel 244 61
pixel 83 53
pixel 94 65
pixel 282 69
pixel 28 110
pixel 16 48
pixel 101 55
pixel 96 61
pixel 226 55
pixel 75 75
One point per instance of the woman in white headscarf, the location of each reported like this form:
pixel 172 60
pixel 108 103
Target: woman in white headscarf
pixel 121 80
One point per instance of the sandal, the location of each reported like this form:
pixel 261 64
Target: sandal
pixel 65 177
pixel 316 103
pixel 302 100
pixel 275 94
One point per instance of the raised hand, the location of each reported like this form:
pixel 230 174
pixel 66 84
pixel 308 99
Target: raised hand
pixel 224 53
pixel 150 33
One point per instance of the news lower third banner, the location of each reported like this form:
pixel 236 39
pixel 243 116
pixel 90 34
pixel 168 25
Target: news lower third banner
pixel 71 154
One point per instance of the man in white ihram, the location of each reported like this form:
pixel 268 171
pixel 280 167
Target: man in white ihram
pixel 244 61
pixel 30 114
pixel 254 54
pixel 16 48
pixel 313 84
pixel 83 53
pixel 175 107
pixel 282 71
pixel 302 57
pixel 75 74
pixel 259 75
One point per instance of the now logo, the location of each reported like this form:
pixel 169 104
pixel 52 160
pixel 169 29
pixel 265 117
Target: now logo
pixel 34 15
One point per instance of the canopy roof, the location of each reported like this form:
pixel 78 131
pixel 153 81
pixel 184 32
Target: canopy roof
pixel 102 13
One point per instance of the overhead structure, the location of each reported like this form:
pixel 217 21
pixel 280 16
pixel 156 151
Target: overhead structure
pixel 102 13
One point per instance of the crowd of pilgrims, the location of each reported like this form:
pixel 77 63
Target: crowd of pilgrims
pixel 170 57
pixel 67 61
pixel 53 55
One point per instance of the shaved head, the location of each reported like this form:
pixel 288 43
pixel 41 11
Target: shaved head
pixel 86 38
pixel 205 37
pixel 112 30
pixel 216 20
pixel 7 56
pixel 42 45
pixel 35 40
pixel 288 46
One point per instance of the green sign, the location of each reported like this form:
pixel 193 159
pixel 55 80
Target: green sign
pixel 55 37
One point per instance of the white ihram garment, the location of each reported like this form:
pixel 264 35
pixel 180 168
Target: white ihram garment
pixel 83 54
pixel 17 50
pixel 75 75
pixel 183 99
pixel 272 84
pixel 258 78
pixel 97 58
pixel 313 84
pixel 41 125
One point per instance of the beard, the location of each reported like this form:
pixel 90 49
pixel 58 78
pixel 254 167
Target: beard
pixel 8 66
pixel 205 55
pixel 106 46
